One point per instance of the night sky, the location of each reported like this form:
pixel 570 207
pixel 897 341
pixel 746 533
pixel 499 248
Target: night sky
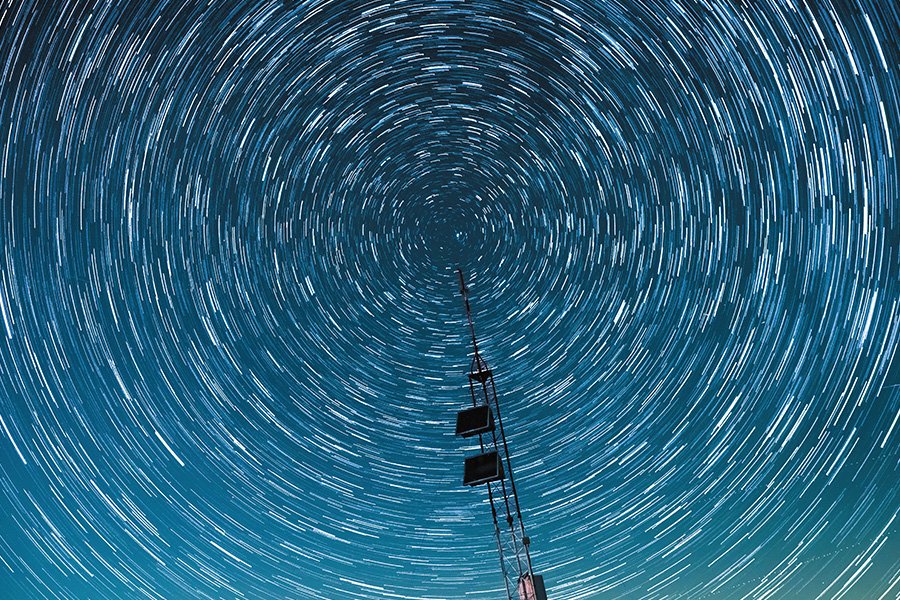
pixel 232 343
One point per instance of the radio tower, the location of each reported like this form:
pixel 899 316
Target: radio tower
pixel 492 468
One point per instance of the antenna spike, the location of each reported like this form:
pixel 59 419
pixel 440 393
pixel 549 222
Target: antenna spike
pixel 465 294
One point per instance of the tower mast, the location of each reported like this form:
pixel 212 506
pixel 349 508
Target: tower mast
pixel 492 467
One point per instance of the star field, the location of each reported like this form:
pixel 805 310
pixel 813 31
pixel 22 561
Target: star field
pixel 232 344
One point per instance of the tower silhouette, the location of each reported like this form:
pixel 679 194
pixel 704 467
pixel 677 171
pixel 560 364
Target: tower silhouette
pixel 492 467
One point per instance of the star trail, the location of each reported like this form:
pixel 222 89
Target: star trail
pixel 232 345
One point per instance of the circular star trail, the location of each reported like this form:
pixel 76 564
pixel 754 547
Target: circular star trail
pixel 232 344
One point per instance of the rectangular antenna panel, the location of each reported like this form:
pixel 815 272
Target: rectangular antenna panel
pixel 532 590
pixel 483 468
pixel 473 421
